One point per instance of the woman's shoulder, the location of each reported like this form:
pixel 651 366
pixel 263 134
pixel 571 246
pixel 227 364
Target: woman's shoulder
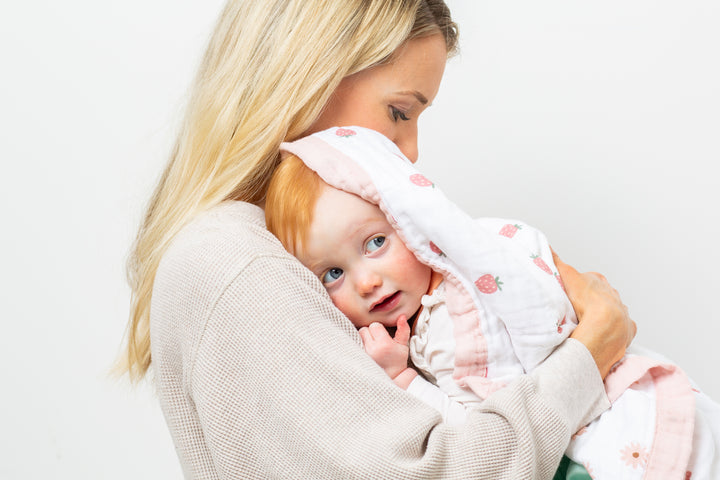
pixel 229 233
pixel 213 249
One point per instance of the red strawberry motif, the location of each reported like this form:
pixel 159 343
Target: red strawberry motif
pixel 345 132
pixel 420 180
pixel 436 249
pixel 488 284
pixel 510 230
pixel 688 475
pixel 560 324
pixel 537 260
pixel 559 279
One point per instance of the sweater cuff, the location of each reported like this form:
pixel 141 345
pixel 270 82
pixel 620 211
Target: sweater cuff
pixel 570 383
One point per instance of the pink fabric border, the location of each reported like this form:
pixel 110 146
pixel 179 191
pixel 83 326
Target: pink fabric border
pixel 675 413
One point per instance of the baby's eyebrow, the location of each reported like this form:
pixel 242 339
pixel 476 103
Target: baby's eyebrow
pixel 317 267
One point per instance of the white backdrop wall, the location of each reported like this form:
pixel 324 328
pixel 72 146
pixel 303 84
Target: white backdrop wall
pixel 596 122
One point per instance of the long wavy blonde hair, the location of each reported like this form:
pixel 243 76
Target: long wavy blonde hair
pixel 268 71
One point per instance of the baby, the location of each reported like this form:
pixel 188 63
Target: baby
pixel 349 244
pixel 492 288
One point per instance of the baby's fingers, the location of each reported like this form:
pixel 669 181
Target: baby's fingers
pixel 379 332
pixel 365 335
pixel 402 335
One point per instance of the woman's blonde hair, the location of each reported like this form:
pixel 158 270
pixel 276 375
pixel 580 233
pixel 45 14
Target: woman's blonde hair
pixel 268 71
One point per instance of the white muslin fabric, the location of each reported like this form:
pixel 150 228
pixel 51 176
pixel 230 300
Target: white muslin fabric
pixel 509 311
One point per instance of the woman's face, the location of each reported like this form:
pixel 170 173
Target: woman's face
pixel 389 98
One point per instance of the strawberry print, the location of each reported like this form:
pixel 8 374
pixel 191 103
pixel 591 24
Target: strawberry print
pixel 510 230
pixel 345 132
pixel 560 324
pixel 688 475
pixel 559 279
pixel 435 249
pixel 488 284
pixel 537 260
pixel 421 181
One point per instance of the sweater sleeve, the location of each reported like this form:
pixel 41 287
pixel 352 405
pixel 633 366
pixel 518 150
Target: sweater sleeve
pixel 282 389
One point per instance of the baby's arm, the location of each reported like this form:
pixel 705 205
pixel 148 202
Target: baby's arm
pixel 388 352
pixel 452 411
pixel 392 355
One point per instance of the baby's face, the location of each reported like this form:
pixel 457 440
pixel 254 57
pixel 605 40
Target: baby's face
pixel 369 273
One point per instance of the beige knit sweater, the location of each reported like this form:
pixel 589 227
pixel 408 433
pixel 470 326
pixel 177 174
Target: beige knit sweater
pixel 259 376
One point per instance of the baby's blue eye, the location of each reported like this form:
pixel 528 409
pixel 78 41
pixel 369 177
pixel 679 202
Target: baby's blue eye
pixel 375 243
pixel 332 275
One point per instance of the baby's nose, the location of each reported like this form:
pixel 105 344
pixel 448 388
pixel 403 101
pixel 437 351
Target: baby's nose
pixel 367 282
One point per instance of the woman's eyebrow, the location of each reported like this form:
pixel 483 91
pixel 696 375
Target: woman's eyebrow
pixel 420 97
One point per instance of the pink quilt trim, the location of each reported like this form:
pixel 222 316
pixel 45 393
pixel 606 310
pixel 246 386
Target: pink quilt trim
pixel 675 412
pixel 470 347
pixel 334 167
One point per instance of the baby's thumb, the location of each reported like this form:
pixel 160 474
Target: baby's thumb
pixel 402 334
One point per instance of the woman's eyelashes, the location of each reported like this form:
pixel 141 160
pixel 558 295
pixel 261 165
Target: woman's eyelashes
pixel 398 114
pixel 332 275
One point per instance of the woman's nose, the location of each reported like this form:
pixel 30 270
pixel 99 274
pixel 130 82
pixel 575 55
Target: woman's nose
pixel 408 145
pixel 367 282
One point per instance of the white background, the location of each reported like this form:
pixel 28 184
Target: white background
pixel 595 121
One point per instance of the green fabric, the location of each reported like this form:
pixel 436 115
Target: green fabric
pixel 569 470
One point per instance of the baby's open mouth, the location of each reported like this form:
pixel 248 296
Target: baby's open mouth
pixel 387 303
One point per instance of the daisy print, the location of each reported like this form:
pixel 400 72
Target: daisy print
pixel 634 455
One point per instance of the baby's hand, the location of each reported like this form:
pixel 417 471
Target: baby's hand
pixel 390 353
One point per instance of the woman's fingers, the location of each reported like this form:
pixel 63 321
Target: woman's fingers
pixel 571 279
pixel 567 273
pixel 605 327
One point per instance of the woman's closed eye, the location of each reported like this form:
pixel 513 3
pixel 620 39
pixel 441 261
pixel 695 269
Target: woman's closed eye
pixel 332 275
pixel 398 114
pixel 375 244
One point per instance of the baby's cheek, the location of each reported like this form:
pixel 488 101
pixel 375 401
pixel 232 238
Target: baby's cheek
pixel 408 262
pixel 416 274
pixel 343 303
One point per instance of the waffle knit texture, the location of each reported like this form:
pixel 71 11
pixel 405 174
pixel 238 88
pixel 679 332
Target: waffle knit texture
pixel 260 376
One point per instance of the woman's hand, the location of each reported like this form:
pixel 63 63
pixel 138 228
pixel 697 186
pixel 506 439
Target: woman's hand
pixel 605 326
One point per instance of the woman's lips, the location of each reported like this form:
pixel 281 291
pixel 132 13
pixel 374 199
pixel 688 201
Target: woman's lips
pixel 387 303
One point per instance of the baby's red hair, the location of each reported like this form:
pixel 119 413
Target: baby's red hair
pixel 290 202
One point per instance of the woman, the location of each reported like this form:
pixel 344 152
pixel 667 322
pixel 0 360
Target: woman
pixel 258 375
